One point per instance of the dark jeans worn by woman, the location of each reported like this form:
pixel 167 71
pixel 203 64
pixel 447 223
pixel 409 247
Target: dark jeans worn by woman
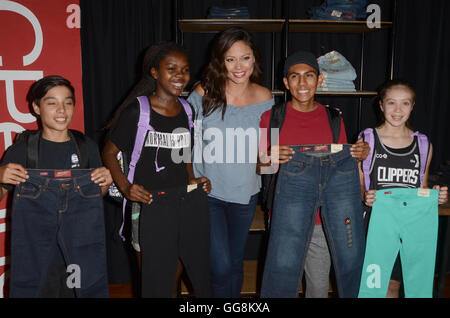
pixel 230 223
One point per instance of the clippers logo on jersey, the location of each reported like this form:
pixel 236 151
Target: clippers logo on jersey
pixel 75 161
pixel 168 140
pixel 388 175
pixel 397 170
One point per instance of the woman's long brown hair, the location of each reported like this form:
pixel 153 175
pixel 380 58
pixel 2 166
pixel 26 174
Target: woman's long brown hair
pixel 215 75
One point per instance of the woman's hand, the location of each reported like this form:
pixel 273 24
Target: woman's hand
pixel 360 150
pixel 206 185
pixel 369 197
pixel 443 194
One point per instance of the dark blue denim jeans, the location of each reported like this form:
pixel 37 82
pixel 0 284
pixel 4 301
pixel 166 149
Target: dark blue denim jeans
pixel 58 209
pixel 311 180
pixel 230 223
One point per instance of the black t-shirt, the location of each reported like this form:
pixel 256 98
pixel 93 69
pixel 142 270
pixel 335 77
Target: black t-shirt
pixel 171 135
pixel 52 155
pixel 395 168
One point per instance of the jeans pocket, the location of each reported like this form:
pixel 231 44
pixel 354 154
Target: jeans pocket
pixel 295 168
pixel 89 191
pixel 30 190
pixel 346 167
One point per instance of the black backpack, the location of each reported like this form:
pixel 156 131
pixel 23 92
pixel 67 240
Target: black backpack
pixel 276 121
pixel 32 137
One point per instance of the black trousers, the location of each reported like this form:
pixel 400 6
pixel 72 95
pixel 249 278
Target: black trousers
pixel 175 226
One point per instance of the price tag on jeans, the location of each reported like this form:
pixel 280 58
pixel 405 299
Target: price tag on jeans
pixel 421 192
pixel 336 148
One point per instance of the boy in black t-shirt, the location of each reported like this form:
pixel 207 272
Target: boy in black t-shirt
pixel 53 101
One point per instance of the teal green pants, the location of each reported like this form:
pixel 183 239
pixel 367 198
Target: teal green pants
pixel 405 220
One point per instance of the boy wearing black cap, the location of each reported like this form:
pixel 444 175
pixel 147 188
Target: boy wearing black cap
pixel 306 122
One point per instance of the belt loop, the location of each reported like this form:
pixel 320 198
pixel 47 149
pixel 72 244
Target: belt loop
pixel 47 180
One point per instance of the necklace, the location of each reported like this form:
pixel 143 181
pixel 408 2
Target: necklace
pixel 164 100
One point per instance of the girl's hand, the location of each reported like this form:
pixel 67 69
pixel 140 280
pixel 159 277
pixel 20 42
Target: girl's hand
pixel 206 185
pixel 360 150
pixel 369 197
pixel 13 173
pixel 443 194
pixel 102 177
pixel 137 193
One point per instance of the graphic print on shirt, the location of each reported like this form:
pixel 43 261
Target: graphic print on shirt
pixel 395 168
pixel 168 140
pixel 74 160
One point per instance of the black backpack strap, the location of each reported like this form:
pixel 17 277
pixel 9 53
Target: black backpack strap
pixel 32 139
pixel 277 116
pixel 334 118
pixel 82 147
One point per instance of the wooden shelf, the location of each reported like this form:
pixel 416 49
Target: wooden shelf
pixel 218 25
pixel 281 93
pixel 357 93
pixel 333 26
pixel 276 25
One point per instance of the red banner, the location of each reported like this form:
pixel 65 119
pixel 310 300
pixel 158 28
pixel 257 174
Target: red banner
pixel 37 38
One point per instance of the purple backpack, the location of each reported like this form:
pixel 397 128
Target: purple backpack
pixel 143 127
pixel 368 137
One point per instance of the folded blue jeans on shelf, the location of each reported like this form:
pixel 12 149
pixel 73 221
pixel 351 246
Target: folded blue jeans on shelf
pixel 339 10
pixel 334 65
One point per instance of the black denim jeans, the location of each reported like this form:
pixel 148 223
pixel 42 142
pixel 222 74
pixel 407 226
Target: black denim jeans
pixel 175 226
pixel 58 209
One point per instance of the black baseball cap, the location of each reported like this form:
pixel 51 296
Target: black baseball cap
pixel 300 57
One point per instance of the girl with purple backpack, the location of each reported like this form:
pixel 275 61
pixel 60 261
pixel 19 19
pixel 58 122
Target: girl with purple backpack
pixel 399 160
pixel 170 219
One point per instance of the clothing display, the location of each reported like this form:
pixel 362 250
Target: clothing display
pixel 228 13
pixel 175 226
pixel 323 176
pixel 339 10
pixel 404 220
pixel 58 211
pixel 338 73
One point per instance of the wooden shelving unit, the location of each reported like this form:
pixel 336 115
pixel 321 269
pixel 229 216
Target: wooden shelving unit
pixel 218 25
pixel 332 26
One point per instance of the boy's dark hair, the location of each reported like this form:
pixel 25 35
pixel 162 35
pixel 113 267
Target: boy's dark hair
pixel 215 75
pixel 147 84
pixel 42 86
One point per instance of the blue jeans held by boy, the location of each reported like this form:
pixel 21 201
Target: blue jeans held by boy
pixel 310 180
pixel 65 211
pixel 230 223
